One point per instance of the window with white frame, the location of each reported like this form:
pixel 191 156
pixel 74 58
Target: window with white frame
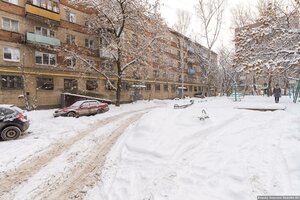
pixel 89 43
pixel 71 39
pixel 12 1
pixel 71 17
pixel 71 62
pixel 45 58
pixel 10 24
pixel 49 5
pixel 11 54
pixel 44 31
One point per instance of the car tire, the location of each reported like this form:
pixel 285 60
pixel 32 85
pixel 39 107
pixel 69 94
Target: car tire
pixel 10 133
pixel 99 111
pixel 72 114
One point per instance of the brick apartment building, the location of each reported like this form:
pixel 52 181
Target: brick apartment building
pixel 29 68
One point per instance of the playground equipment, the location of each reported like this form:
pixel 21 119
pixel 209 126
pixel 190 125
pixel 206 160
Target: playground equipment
pixel 235 96
pixel 295 97
pixel 204 116
pixel 176 106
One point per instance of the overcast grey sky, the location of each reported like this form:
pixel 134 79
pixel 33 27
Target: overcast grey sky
pixel 169 8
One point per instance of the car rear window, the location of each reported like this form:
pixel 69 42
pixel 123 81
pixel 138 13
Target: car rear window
pixel 5 111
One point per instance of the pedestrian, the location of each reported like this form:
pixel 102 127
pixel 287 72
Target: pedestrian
pixel 277 93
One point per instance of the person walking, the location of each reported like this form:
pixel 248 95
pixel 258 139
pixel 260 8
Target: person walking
pixel 277 93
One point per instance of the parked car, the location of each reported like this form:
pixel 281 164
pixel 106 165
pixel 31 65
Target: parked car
pixel 83 107
pixel 13 122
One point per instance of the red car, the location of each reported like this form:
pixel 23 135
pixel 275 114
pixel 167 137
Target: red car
pixel 80 108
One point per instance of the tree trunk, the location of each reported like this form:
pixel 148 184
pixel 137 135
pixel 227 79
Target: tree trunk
pixel 118 92
pixel 269 86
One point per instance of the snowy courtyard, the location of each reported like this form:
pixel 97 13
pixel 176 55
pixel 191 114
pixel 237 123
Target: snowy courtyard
pixel 151 151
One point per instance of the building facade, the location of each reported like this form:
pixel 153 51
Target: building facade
pixel 33 68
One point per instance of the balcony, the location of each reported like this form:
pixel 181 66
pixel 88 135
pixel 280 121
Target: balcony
pixel 40 39
pixel 191 71
pixel 40 14
pixel 105 54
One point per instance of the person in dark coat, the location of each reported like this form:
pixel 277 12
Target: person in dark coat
pixel 277 93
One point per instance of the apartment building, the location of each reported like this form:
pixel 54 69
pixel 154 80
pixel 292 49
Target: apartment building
pixel 35 36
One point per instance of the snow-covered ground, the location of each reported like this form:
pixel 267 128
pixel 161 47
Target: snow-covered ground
pixel 149 150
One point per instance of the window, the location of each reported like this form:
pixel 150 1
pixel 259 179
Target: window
pixel 11 82
pixel 157 87
pixel 89 43
pixel 155 73
pixel 12 1
pixel 166 88
pixel 195 89
pixel 45 58
pixel 44 31
pixel 165 75
pixel 179 78
pixel 70 85
pixel 71 62
pixel 70 39
pixel 190 88
pixel 55 7
pixel 109 86
pixel 11 54
pixel 91 63
pixel 148 86
pixel 10 24
pixel 71 17
pixel 173 88
pixel 44 84
pixel 36 3
pixel 49 5
pixel 125 86
pixel 91 84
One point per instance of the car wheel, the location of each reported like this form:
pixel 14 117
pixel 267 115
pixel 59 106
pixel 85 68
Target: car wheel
pixel 71 114
pixel 99 111
pixel 10 133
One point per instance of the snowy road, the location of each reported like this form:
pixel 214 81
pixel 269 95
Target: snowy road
pixel 151 151
pixel 50 172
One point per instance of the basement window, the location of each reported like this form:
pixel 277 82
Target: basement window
pixel 44 83
pixel 11 82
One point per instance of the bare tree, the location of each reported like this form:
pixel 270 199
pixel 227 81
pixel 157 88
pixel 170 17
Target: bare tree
pixel 126 30
pixel 267 50
pixel 227 74
pixel 183 21
pixel 242 15
pixel 210 13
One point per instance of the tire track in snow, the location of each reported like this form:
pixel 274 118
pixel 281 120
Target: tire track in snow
pixel 89 173
pixel 12 179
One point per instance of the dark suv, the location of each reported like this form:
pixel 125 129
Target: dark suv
pixel 13 122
